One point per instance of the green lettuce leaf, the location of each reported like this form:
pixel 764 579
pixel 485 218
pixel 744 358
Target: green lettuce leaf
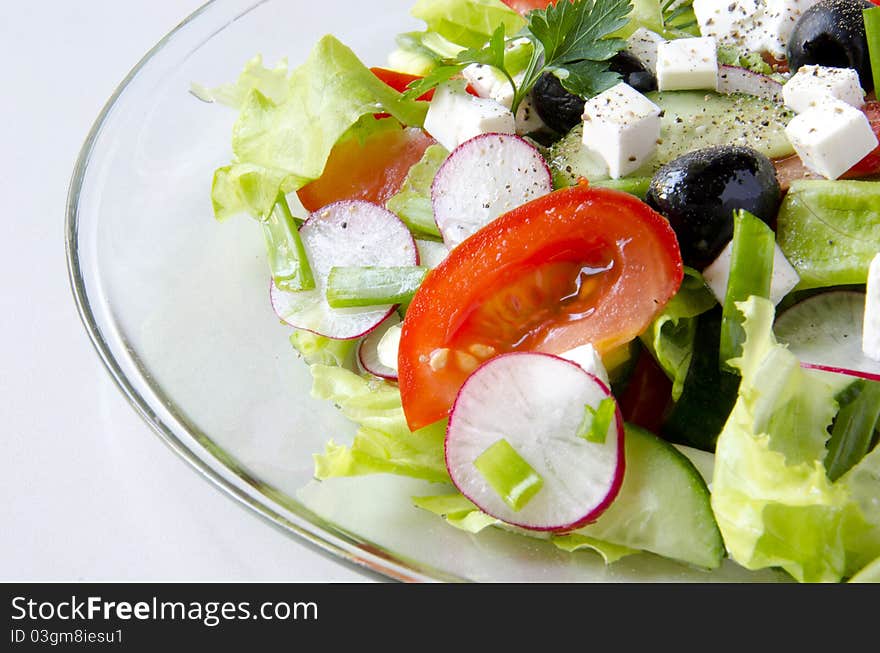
pixel 460 513
pixel 271 82
pixel 468 23
pixel 281 146
pixel 319 350
pixel 383 443
pixel 772 499
pixel 412 203
pixel 670 338
pixel 457 511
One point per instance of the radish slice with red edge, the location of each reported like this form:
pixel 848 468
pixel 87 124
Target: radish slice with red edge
pixel 825 333
pixel 484 178
pixel 348 233
pixel 534 405
pixel 368 351
pixel 733 79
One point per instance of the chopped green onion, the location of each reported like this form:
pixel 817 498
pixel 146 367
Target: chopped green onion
pixel 286 254
pixel 352 287
pixel 872 32
pixel 853 430
pixel 597 421
pixel 751 269
pixel 637 186
pixel 508 473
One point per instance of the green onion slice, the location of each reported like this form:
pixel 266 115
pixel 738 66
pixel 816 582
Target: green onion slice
pixel 509 474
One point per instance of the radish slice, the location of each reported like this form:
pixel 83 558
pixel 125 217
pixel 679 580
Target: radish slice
pixel 733 79
pixel 536 403
pixel 369 355
pixel 825 333
pixel 349 233
pixel 431 253
pixel 484 178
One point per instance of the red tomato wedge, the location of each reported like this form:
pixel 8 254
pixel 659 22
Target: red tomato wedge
pixel 372 170
pixel 870 165
pixel 525 6
pixel 792 168
pixel 400 81
pixel 580 265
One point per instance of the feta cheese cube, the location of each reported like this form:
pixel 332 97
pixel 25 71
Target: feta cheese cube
pixel 751 25
pixel 455 116
pixel 687 64
pixel 831 137
pixel 589 360
pixel 871 325
pixel 493 85
pixel 783 281
pixel 622 126
pixel 643 44
pixel 812 85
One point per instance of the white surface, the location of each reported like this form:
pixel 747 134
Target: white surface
pixel 89 491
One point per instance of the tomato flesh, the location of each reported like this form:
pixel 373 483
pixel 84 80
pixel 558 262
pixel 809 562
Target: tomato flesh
pixel 372 170
pixel 580 265
pixel 870 165
pixel 792 168
pixel 525 6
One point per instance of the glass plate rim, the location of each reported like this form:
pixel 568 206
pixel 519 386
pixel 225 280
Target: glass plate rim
pixel 322 538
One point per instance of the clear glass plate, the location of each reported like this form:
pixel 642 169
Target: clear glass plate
pixel 177 307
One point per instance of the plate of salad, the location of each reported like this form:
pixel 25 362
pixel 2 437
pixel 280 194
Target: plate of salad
pixel 507 290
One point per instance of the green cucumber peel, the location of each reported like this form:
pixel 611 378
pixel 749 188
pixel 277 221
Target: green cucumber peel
pixel 285 251
pixel 509 474
pixel 356 287
pixel 751 270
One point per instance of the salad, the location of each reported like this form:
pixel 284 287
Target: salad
pixel 607 269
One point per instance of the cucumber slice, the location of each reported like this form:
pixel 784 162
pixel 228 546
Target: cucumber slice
pixel 691 120
pixel 663 505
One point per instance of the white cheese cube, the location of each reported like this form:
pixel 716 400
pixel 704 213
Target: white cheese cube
pixel 493 85
pixel 831 137
pixel 455 116
pixel 643 44
pixel 773 26
pixel 871 325
pixel 389 344
pixel 783 281
pixel 812 85
pixel 687 64
pixel 751 25
pixel 622 126
pixel 727 21
pixel 588 358
pixel 483 79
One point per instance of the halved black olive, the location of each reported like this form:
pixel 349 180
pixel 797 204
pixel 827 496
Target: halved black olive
pixel 633 71
pixel 698 193
pixel 832 33
pixel 561 110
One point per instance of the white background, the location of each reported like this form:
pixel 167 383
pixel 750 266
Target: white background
pixel 87 491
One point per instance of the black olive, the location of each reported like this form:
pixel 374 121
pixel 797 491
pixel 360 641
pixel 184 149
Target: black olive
pixel 832 33
pixel 633 71
pixel 698 193
pixel 559 109
pixel 562 111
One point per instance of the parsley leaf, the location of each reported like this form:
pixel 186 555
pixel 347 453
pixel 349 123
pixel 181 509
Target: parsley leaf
pixel 572 40
pixel 576 31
